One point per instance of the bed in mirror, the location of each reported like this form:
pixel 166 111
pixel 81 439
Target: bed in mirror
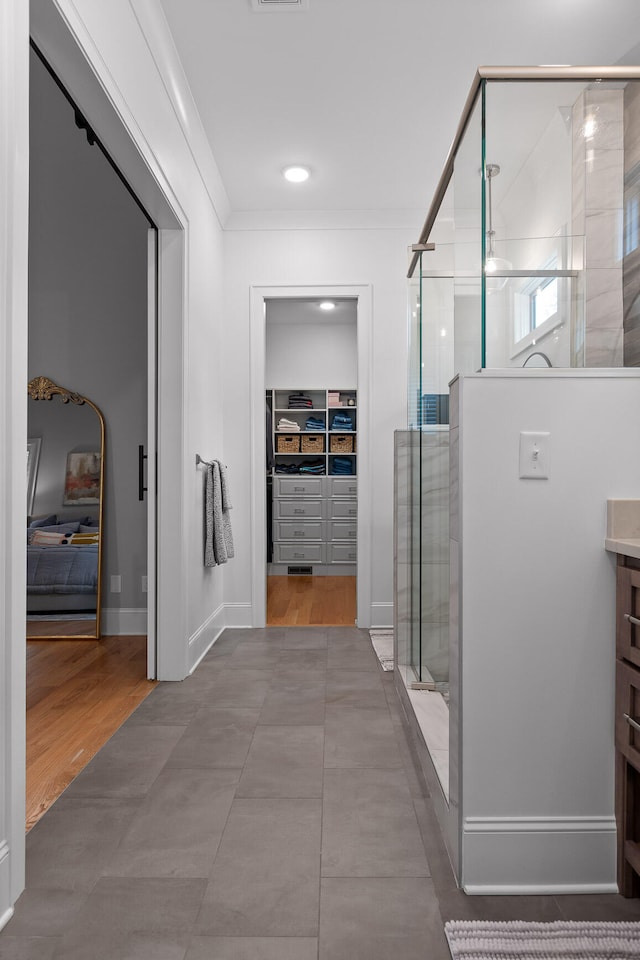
pixel 65 485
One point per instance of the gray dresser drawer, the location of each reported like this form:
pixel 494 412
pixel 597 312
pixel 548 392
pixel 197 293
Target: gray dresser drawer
pixel 343 487
pixel 298 553
pixel 299 530
pixel 342 553
pixel 298 486
pixel 298 509
pixel 343 530
pixel 343 509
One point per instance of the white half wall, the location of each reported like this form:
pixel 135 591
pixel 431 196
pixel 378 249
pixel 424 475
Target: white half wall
pixel 537 627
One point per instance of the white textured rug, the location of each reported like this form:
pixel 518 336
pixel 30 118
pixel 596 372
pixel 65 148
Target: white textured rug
pixel 382 640
pixel 558 940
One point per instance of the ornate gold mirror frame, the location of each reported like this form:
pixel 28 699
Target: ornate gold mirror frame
pixel 58 628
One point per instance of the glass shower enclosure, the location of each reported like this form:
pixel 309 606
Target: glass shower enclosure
pixel 529 257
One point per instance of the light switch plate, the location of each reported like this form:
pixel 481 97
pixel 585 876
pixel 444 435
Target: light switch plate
pixel 534 456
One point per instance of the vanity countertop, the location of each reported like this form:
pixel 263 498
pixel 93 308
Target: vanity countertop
pixel 623 527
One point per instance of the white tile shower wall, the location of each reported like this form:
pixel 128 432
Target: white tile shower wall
pixel 597 207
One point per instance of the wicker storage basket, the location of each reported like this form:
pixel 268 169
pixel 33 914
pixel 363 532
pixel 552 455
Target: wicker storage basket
pixel 313 443
pixel 287 444
pixel 340 444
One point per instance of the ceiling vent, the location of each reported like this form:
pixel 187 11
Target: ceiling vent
pixel 278 6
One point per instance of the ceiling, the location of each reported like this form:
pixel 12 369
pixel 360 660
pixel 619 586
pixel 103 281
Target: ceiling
pixel 367 93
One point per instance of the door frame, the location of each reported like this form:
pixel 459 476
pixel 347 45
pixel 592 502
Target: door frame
pixel 362 293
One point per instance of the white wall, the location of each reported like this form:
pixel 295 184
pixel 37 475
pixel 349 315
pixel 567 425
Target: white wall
pixel 319 257
pixel 537 639
pixel 308 356
pixel 144 82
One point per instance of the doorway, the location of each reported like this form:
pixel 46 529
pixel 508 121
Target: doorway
pixel 311 373
pixel 92 280
pixel 360 297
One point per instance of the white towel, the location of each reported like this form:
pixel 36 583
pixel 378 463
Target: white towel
pixel 218 543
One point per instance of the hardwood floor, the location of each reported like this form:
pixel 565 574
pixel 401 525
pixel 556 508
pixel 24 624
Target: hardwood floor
pixel 78 693
pixel 311 601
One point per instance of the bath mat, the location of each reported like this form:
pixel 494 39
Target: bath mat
pixel 382 641
pixel 557 940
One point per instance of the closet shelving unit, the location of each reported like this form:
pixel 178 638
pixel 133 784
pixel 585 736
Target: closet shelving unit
pixel 314 513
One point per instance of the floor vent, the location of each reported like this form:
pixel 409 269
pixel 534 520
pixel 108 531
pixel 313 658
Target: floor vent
pixel 271 6
pixel 300 571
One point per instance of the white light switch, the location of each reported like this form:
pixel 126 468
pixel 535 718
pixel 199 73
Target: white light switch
pixel 534 456
pixel 116 583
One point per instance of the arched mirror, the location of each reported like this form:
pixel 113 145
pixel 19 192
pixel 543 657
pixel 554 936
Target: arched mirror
pixel 65 485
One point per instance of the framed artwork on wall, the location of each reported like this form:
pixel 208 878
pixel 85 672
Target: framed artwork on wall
pixel 82 479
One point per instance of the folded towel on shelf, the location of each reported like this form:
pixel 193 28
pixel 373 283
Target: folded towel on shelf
pixel 218 542
pixel 341 422
pixel 314 423
pixel 287 426
pixel 342 466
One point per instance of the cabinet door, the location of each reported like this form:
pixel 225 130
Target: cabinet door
pixel 628 712
pixel 298 553
pixel 343 486
pixel 343 530
pixel 342 553
pixel 628 615
pixel 298 530
pixel 298 509
pixel 298 486
pixel 343 509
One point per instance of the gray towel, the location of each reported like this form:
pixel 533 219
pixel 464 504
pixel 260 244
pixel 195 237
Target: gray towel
pixel 218 542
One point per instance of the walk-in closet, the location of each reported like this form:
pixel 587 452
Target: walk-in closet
pixel 311 456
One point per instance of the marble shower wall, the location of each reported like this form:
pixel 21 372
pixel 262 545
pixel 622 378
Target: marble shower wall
pixel 421 538
pixel 597 205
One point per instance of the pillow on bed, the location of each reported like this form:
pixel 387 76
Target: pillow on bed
pixel 44 521
pixel 64 529
pixel 82 539
pixel 46 538
pixel 88 528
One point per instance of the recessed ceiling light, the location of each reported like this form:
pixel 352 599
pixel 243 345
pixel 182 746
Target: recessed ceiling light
pixel 296 174
pixel 327 305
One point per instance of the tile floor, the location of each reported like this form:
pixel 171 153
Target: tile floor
pixel 267 808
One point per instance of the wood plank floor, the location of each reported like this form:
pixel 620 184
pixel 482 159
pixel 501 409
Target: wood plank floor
pixel 78 693
pixel 311 601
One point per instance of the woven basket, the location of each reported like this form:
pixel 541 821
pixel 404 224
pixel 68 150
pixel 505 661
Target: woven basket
pixel 287 444
pixel 340 444
pixel 313 443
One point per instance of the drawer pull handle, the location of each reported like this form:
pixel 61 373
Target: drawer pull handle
pixel 633 620
pixel 299 511
pixel 299 488
pixel 632 723
pixel 298 533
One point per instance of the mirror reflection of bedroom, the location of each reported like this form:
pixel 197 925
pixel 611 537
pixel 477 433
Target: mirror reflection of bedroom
pixel 311 439
pixel 86 528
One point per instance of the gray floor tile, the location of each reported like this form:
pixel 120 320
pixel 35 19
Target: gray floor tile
pixel 135 919
pixel 129 762
pixel 284 761
pixel 359 737
pixel 599 907
pixel 304 638
pixel 45 912
pixel 217 737
pixel 265 878
pixel 354 688
pixel 456 905
pixel 294 702
pixel 369 827
pixel 252 948
pixel 28 948
pixel 380 919
pixel 168 704
pixel 302 665
pixel 352 655
pixel 240 688
pixel 177 829
pixel 255 655
pixel 338 635
pixel 68 849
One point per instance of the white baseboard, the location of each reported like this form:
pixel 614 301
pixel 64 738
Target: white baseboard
pixel 205 636
pixel 124 621
pixel 539 855
pixel 5 886
pixel 382 614
pixel 238 614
